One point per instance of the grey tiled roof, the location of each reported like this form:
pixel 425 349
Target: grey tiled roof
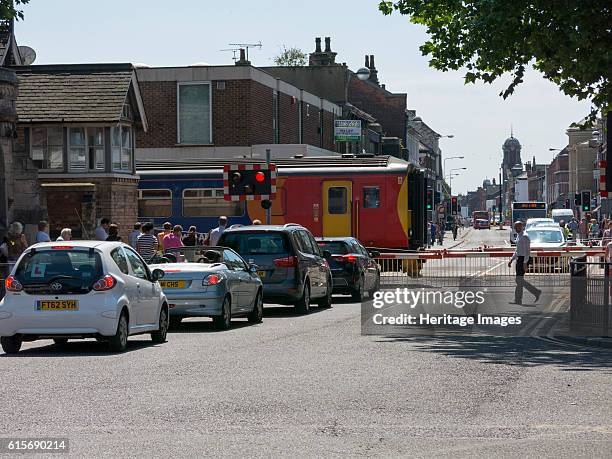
pixel 72 93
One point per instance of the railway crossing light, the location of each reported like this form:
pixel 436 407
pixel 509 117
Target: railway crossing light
pixel 249 182
pixel 429 204
pixel 586 201
pixel 454 205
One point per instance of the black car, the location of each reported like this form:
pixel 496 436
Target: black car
pixel 291 266
pixel 354 270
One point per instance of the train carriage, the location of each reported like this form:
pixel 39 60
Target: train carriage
pixel 378 199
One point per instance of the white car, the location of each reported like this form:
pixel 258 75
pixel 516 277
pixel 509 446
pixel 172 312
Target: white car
pixel 546 237
pixel 82 289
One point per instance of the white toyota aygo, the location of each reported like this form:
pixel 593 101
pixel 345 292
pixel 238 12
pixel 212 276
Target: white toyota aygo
pixel 82 289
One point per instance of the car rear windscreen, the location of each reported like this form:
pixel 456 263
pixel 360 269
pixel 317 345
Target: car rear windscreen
pixel 83 267
pixel 542 236
pixel 256 243
pixel 334 247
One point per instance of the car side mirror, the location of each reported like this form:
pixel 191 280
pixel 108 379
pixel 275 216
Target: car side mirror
pixel 157 274
pixel 374 253
pixel 253 268
pixel 326 254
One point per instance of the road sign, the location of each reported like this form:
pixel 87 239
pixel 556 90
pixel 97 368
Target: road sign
pixel 249 182
pixel 347 130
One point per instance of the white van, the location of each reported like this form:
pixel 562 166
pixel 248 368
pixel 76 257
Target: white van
pixel 562 214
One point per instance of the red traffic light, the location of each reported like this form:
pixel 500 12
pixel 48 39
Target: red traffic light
pixel 260 177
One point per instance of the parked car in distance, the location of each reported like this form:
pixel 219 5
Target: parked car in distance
pixel 291 266
pixel 354 271
pixel 82 289
pixel 220 285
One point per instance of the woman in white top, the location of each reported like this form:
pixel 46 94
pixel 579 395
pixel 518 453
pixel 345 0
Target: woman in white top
pixel 65 235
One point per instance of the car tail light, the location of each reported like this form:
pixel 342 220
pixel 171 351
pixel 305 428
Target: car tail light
pixel 287 262
pixel 62 247
pixel 212 279
pixel 12 285
pixel 347 258
pixel 105 283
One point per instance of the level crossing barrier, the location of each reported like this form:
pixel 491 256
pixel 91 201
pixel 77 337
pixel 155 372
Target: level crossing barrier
pixel 484 266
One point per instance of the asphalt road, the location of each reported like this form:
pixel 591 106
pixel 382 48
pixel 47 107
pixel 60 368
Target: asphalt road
pixel 313 386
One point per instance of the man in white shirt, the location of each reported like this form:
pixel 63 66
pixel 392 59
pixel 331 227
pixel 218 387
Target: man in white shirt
pixel 216 233
pixel 522 255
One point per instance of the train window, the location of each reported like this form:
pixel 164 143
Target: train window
pixel 371 197
pixel 154 203
pixel 209 202
pixel 337 197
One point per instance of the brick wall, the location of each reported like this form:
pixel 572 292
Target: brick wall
pixel 159 99
pixel 389 109
pixel 310 124
pixel 260 120
pixel 288 119
pixel 328 131
pixel 231 107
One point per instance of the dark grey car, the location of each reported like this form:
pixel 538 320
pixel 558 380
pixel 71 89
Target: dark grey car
pixel 289 262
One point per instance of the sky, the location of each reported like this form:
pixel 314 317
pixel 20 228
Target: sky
pixel 163 33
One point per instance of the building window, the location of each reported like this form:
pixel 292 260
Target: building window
pixel 194 113
pixel 337 200
pixel 209 202
pixel 77 160
pixel 121 148
pixel 154 203
pixel 47 147
pixel 95 148
pixel 371 197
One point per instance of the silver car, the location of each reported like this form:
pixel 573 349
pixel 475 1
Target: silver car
pixel 220 285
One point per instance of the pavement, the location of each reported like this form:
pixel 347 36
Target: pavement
pixel 313 386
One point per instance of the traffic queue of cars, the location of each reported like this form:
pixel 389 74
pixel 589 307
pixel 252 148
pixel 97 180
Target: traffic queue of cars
pixel 104 290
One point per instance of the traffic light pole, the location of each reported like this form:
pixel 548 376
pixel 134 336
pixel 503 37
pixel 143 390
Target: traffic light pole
pixel 269 210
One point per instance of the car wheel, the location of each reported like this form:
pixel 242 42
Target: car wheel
pixel 256 315
pixel 118 342
pixel 159 336
pixel 175 322
pixel 303 305
pixel 224 321
pixel 60 342
pixel 359 292
pixel 326 301
pixel 11 344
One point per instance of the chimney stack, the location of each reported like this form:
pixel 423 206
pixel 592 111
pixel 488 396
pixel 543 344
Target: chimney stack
pixel 243 60
pixel 373 72
pixel 318 57
pixel 367 62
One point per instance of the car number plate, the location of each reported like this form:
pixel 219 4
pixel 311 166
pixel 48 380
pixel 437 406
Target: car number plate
pixel 261 274
pixel 172 283
pixel 58 305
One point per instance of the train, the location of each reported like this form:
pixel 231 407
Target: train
pixel 378 199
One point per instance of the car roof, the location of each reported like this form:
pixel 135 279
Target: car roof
pixel 545 227
pixel 264 228
pixel 334 239
pixel 539 219
pixel 77 244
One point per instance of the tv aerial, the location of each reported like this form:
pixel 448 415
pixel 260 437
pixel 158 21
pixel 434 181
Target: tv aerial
pixel 246 47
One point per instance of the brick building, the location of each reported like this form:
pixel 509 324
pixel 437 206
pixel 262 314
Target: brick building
pixel 383 113
pixel 73 158
pixel 557 182
pixel 230 111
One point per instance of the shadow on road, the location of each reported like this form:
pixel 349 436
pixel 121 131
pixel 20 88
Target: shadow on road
pixel 518 351
pixel 289 311
pixel 78 348
pixel 206 326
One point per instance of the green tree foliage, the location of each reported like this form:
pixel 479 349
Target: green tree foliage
pixel 568 41
pixel 9 9
pixel 290 57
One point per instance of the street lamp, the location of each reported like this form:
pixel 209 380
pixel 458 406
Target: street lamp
pixel 450 157
pixel 450 176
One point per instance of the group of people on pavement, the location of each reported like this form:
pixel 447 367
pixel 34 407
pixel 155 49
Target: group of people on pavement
pixel 435 232
pixel 589 230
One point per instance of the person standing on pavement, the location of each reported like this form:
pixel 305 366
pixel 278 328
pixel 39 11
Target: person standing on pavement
pixel 216 233
pixel 101 232
pixel 14 243
pixel 146 245
pixel 43 232
pixel 191 239
pixel 522 256
pixel 133 236
pixel 173 240
pixel 434 230
pixel 162 234
pixel 573 227
pixel 65 235
pixel 455 229
pixel 583 230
